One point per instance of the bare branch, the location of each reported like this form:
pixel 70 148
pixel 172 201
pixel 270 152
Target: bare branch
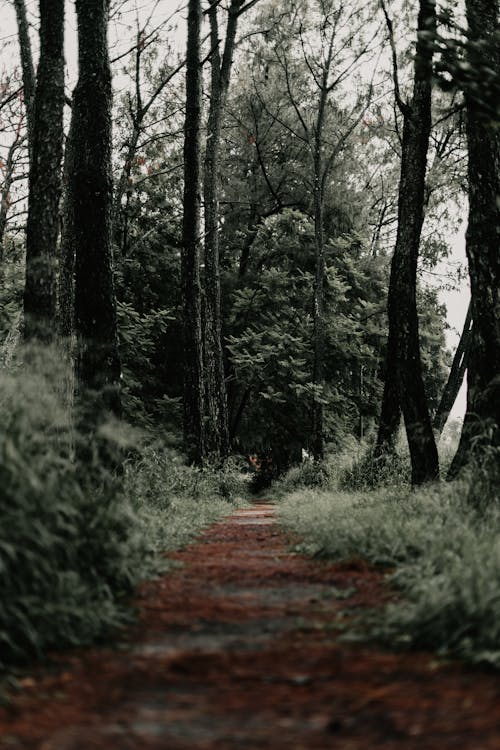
pixel 403 106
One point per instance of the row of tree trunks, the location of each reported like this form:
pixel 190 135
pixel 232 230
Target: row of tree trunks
pixel 404 388
pixel 45 176
pixel 85 294
pixel 482 419
pixel 193 389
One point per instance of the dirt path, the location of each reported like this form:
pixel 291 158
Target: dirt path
pixel 235 650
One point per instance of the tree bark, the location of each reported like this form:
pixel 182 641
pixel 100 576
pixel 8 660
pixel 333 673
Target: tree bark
pixel 456 376
pixel 319 311
pixel 482 420
pixel 320 175
pixel 45 177
pixel 217 430
pixel 66 280
pixel 91 186
pixel 193 402
pixel 404 388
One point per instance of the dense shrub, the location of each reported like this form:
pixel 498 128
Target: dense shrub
pixel 73 544
pixel 177 501
pixel 69 549
pixel 351 466
pixel 444 544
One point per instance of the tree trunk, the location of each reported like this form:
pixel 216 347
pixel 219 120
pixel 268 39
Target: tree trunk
pixel 194 438
pixel 45 177
pixel 319 313
pixel 91 189
pixel 123 186
pixel 320 175
pixel 404 388
pixel 482 419
pixel 66 280
pixel 456 376
pixel 26 65
pixel 217 430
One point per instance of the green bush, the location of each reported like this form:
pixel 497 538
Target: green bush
pixel 443 545
pixel 353 467
pixel 73 544
pixel 372 471
pixel 177 501
pixel 68 551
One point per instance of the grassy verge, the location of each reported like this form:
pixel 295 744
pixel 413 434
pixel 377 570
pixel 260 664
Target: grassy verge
pixel 73 542
pixel 443 543
pixel 176 502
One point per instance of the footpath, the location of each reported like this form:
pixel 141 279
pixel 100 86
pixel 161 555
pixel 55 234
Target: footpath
pixel 239 647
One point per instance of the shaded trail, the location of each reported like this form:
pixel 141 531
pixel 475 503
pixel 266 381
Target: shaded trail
pixel 235 650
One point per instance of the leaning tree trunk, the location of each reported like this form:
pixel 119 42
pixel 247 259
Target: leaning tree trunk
pixel 217 430
pixel 482 419
pixel 91 186
pixel 404 387
pixel 455 377
pixel 45 177
pixel 193 401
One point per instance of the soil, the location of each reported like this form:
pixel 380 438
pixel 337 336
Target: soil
pixel 239 648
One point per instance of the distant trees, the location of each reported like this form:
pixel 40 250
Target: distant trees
pixel 308 54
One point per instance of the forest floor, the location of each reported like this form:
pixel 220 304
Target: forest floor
pixel 237 648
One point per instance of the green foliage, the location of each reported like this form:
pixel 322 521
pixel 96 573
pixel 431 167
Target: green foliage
pixel 376 471
pixel 271 325
pixel 141 339
pixel 12 276
pixel 445 553
pixel 177 501
pixel 67 551
pixel 74 544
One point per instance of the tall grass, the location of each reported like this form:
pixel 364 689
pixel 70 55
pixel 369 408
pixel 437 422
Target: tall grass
pixel 177 501
pixel 443 543
pixel 73 545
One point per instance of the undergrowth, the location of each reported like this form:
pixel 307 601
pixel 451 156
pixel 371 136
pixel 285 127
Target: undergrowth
pixel 176 501
pixel 73 545
pixel 442 542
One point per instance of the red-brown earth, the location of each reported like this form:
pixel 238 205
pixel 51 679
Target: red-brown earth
pixel 236 649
